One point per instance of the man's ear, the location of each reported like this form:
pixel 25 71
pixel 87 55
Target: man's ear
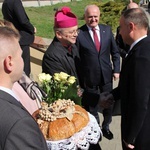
pixel 131 26
pixel 8 64
pixel 58 34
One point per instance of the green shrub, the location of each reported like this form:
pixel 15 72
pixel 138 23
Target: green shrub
pixel 111 12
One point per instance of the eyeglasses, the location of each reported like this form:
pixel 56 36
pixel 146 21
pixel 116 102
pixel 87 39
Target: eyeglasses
pixel 71 32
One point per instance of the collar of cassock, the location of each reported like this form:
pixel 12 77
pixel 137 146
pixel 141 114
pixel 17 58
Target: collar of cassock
pixel 68 47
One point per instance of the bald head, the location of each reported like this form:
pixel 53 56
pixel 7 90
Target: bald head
pixel 92 15
pixel 91 7
pixel 132 5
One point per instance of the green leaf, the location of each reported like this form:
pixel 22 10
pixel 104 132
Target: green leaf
pixel 71 93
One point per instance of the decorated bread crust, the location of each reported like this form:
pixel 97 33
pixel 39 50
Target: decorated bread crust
pixel 58 127
pixel 80 119
pixel 61 129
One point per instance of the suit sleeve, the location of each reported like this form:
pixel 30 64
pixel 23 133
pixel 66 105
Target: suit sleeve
pixel 90 99
pixel 25 135
pixel 116 93
pixel 139 95
pixel 22 17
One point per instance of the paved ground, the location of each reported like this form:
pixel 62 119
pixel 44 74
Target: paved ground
pixel 114 144
pixel 37 3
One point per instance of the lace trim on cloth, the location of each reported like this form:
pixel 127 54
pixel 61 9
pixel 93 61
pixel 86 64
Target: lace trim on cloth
pixel 88 135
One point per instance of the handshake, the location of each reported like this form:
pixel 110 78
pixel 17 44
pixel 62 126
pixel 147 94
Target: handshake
pixel 106 100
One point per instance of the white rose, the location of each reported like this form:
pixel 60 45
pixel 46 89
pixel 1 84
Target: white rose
pixel 44 77
pixel 71 79
pixel 63 76
pixel 56 77
pixel 41 77
pixel 48 77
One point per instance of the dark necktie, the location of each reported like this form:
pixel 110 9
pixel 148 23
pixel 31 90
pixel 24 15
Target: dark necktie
pixel 96 40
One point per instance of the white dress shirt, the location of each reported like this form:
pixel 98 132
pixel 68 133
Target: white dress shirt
pixel 97 31
pixel 9 92
pixel 135 42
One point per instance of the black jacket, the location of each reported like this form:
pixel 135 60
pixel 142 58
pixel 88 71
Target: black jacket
pixel 134 92
pixel 14 12
pixel 58 59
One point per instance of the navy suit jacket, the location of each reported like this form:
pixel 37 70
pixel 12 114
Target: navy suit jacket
pixel 98 67
pixel 18 130
pixel 14 12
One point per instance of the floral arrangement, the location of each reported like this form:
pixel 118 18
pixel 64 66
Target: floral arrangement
pixel 58 86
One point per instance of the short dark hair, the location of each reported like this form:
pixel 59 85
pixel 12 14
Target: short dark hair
pixel 137 16
pixel 7 29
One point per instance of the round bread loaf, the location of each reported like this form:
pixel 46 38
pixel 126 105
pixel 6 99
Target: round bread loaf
pixel 63 128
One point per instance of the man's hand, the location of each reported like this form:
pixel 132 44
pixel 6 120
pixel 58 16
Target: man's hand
pixel 106 100
pixel 130 146
pixel 79 91
pixel 116 76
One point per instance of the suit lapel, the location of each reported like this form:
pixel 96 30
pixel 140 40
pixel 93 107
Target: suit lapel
pixel 132 51
pixel 102 37
pixel 88 37
pixel 128 57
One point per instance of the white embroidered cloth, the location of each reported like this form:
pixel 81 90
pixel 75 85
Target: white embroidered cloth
pixel 88 135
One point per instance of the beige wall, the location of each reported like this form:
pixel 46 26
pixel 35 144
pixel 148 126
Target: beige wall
pixel 36 62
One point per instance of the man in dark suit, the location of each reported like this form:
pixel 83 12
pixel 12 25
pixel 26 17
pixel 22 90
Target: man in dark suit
pixel 96 64
pixel 18 129
pixel 14 12
pixel 123 48
pixel 134 85
pixel 62 54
